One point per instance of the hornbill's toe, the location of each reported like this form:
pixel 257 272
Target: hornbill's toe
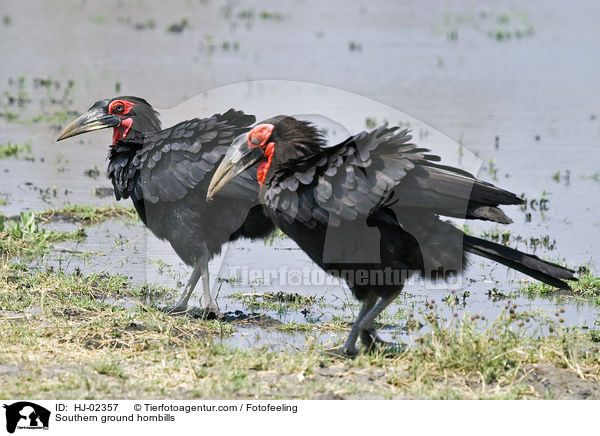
pixel 208 312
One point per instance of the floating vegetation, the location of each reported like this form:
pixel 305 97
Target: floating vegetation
pixel 45 193
pixel 452 35
pixel 595 177
pixel 210 45
pixel 505 237
pixel 39 99
pixel 559 177
pixel 454 299
pixel 148 24
pixel 534 243
pixel 492 169
pixel 93 173
pixel 9 115
pixel 10 149
pixel 270 15
pixel 501 27
pixel 587 286
pixel 496 294
pixel 228 12
pixel 277 301
pixel 497 235
pixel 293 326
pixel 98 19
pixel 56 117
pixel 372 122
pixel 355 46
pixel 541 204
pixel 179 26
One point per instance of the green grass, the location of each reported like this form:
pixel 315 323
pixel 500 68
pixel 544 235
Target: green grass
pixel 501 27
pixel 88 214
pixel 588 287
pixel 277 235
pixel 294 327
pixel 277 301
pixel 9 115
pixel 59 340
pixel 494 351
pixel 26 238
pixel 506 237
pixel 61 116
pixel 10 149
pixel 58 323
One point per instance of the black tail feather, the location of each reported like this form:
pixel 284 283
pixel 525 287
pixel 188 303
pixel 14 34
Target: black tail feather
pixel 529 264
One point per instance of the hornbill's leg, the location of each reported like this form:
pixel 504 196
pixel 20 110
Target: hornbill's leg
pixel 368 333
pixel 182 303
pixel 210 306
pixel 349 347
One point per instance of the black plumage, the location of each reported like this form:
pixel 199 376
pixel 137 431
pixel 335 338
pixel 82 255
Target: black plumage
pixel 373 204
pixel 166 173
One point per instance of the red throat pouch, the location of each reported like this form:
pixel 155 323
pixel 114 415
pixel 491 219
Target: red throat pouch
pixel 121 131
pixel 263 167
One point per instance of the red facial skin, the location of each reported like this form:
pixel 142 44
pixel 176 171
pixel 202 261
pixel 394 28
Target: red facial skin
pixel 257 138
pixel 121 131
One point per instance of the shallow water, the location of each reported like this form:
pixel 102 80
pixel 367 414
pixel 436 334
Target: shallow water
pixel 525 104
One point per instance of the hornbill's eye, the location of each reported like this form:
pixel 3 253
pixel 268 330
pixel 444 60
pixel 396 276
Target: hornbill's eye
pixel 118 108
pixel 254 140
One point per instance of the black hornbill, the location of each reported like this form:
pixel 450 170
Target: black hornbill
pixel 368 210
pixel 166 173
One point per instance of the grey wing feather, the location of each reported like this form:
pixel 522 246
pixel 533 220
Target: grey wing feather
pixel 181 159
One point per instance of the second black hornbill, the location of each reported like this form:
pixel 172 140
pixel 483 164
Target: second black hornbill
pixel 166 173
pixel 368 210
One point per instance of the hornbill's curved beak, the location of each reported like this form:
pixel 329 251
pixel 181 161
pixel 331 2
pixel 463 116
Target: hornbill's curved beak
pixel 94 119
pixel 238 158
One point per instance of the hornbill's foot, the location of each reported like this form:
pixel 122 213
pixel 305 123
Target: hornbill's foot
pixel 211 311
pixel 373 342
pixel 349 351
pixel 369 338
pixel 387 347
pixel 341 351
pixel 175 310
pixel 392 347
